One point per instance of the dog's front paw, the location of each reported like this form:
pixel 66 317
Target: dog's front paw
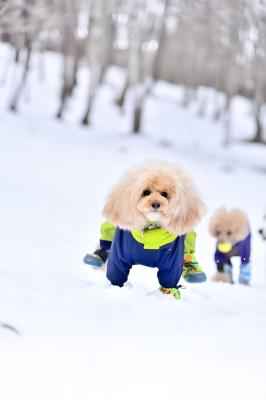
pixel 221 277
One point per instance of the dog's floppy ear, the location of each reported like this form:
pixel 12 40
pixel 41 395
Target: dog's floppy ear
pixel 187 208
pixel 240 223
pixel 121 206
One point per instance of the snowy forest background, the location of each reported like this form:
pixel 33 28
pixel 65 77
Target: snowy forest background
pixel 193 44
pixel 88 88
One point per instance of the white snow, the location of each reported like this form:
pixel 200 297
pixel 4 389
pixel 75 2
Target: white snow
pixel 79 337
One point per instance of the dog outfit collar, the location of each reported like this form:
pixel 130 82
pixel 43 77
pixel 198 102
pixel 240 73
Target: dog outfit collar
pixel 153 236
pixel 152 225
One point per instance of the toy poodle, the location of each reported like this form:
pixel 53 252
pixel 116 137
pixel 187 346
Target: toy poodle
pixel 231 230
pixel 153 207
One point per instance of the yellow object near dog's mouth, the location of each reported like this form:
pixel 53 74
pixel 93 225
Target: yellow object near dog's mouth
pixel 224 247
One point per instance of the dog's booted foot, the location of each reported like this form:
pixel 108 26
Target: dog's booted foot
pixel 225 276
pixel 173 291
pixel 192 273
pixel 97 259
pixel 245 274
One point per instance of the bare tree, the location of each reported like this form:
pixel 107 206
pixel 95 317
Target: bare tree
pixel 95 56
pixel 69 51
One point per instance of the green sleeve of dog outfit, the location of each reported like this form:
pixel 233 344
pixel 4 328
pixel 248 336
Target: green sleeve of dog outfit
pixel 107 231
pixel 190 246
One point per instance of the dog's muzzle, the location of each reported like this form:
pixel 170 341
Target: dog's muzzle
pixel 156 205
pixel 153 215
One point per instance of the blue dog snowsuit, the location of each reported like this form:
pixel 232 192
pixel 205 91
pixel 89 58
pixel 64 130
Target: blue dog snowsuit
pixel 241 249
pixel 127 251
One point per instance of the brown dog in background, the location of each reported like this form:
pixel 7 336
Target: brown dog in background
pixel 231 230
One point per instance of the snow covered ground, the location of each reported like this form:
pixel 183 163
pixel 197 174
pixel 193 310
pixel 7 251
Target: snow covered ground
pixel 78 338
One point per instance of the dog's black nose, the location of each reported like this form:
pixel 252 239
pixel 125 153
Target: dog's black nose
pixel 260 231
pixel 155 205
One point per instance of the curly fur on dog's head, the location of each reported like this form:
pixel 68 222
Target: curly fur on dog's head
pixel 229 225
pixel 153 192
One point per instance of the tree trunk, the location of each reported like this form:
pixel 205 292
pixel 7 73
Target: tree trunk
pixel 86 117
pixel 95 45
pixel 137 119
pixel 162 38
pixel 69 50
pixel 120 101
pixel 217 113
pixel 202 107
pixel 258 138
pixel 69 82
pixel 17 54
pixel 14 102
pixel 227 124
pixel 141 92
pixel 187 97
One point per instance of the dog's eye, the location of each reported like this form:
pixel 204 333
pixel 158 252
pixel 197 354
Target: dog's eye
pixel 164 194
pixel 217 233
pixel 229 233
pixel 146 193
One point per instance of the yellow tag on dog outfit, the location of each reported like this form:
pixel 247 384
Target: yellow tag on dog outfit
pixel 224 247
